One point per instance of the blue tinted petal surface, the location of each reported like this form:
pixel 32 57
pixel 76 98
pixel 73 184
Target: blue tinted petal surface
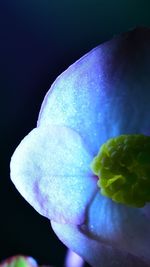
pixel 96 253
pixel 106 93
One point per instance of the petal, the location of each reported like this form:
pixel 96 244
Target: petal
pixel 106 93
pixel 120 226
pixel 146 210
pixel 73 260
pixel 93 251
pixel 50 168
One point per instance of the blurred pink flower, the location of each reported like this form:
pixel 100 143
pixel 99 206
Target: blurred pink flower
pixel 19 261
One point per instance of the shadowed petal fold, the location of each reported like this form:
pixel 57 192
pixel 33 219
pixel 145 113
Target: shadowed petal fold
pixel 94 252
pixel 119 226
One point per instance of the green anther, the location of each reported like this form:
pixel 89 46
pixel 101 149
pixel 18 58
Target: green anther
pixel 123 168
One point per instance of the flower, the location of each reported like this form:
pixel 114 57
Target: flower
pixel 19 261
pixel 103 95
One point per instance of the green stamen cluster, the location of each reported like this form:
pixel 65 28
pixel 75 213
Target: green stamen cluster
pixel 123 168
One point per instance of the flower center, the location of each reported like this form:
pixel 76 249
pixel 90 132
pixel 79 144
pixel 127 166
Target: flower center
pixel 123 168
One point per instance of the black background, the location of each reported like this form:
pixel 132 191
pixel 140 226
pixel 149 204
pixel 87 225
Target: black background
pixel 39 40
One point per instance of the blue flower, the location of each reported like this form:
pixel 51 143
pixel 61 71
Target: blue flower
pixel 103 95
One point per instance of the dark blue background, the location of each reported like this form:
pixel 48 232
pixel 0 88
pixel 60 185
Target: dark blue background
pixel 38 40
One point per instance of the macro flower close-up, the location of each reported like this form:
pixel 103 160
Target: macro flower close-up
pixel 86 165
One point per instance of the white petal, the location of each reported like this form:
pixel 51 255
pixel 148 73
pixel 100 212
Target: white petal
pixel 106 93
pixel 50 168
pixel 73 259
pixel 94 252
pixel 120 226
